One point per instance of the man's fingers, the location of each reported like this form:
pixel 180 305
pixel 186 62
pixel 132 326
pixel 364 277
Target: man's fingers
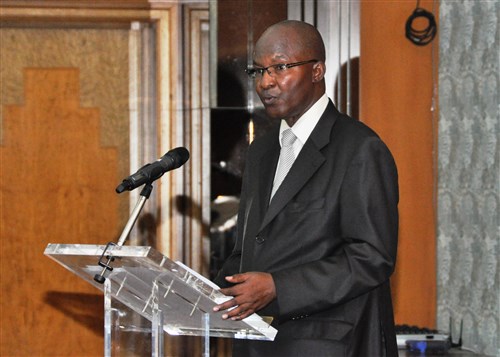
pixel 238 313
pixel 228 291
pixel 234 311
pixel 243 315
pixel 237 278
pixel 226 305
pixel 250 293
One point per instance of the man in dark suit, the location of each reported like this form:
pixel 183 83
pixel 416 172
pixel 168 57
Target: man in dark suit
pixel 316 250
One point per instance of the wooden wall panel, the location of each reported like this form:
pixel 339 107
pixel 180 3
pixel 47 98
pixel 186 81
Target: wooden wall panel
pixel 64 126
pixel 53 169
pixel 101 55
pixel 396 90
pixel 94 39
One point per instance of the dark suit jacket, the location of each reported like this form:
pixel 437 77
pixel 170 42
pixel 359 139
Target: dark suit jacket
pixel 328 237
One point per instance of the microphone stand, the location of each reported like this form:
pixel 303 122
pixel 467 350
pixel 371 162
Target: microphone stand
pixel 106 259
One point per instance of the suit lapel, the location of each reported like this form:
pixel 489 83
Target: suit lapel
pixel 304 167
pixel 261 184
pixel 267 165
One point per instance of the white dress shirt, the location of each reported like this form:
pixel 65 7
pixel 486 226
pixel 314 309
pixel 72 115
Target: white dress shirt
pixel 305 125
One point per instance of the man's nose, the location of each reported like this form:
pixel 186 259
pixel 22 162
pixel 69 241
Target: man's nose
pixel 267 80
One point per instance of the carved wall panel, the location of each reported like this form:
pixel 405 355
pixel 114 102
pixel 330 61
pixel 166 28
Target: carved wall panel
pixel 89 93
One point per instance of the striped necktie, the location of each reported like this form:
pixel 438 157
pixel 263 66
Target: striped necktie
pixel 287 157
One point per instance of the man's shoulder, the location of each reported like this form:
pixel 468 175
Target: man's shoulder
pixel 354 127
pixel 343 123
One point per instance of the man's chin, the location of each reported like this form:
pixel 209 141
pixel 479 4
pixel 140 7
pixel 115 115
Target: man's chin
pixel 273 113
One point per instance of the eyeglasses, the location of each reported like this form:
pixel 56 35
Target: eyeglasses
pixel 274 70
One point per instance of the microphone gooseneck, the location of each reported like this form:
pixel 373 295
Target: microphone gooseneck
pixel 173 159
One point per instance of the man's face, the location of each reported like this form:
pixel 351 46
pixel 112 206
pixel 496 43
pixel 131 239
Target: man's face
pixel 285 94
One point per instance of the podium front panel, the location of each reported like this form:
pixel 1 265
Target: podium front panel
pixel 144 280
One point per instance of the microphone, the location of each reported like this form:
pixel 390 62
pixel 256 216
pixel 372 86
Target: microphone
pixel 173 159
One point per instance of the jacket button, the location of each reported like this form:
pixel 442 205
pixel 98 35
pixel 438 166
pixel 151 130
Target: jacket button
pixel 259 239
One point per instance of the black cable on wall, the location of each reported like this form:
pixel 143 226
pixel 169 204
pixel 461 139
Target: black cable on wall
pixel 425 36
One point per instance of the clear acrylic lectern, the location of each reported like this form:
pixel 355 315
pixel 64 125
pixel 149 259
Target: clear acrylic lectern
pixel 146 293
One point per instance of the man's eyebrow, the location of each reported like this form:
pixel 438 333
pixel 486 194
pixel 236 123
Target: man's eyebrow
pixel 280 59
pixel 271 65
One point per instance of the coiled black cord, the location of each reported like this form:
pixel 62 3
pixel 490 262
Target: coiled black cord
pixel 425 36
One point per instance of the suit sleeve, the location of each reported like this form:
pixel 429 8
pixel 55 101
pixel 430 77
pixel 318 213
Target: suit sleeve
pixel 365 259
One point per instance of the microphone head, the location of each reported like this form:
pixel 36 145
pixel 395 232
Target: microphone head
pixel 179 156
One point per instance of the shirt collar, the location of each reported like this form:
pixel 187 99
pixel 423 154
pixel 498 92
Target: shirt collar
pixel 306 123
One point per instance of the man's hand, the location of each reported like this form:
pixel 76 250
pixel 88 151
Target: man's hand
pixel 251 292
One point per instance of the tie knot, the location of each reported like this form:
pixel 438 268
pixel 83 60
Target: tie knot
pixel 288 138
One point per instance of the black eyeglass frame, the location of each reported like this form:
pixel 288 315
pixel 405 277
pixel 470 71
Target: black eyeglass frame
pixel 258 72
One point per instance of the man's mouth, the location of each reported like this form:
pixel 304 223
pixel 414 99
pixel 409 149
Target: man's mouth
pixel 269 100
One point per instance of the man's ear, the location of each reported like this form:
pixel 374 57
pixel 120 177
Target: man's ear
pixel 318 72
